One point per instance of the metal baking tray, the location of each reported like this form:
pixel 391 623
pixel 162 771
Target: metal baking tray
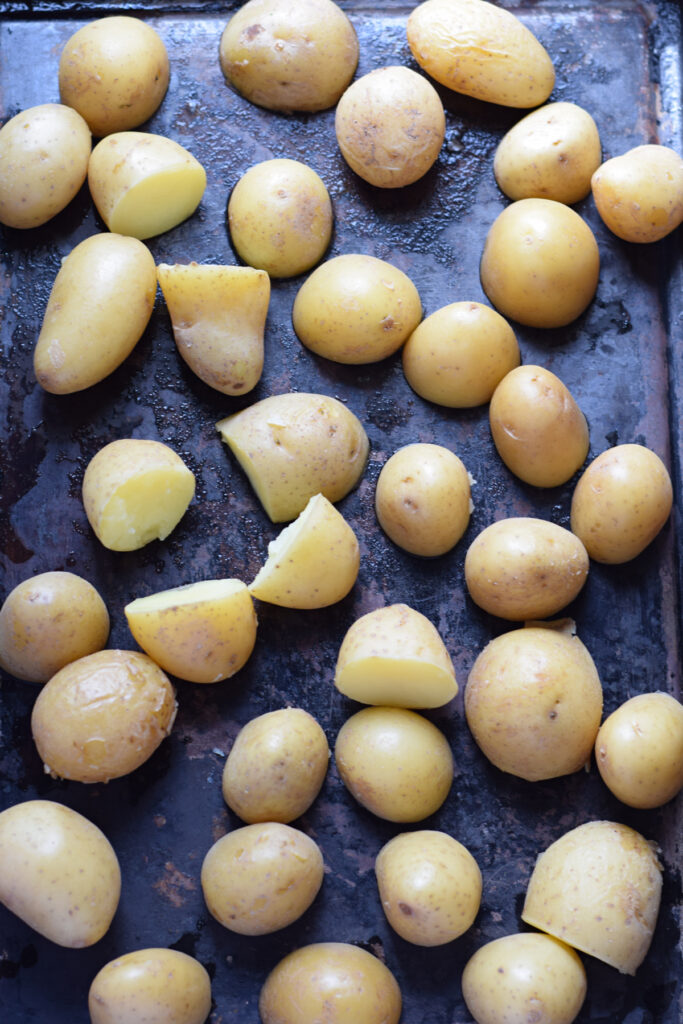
pixel 623 361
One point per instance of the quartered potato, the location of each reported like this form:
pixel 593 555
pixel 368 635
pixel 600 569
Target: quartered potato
pixel 639 194
pixel 157 986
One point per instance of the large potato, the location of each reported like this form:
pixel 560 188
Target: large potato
pixel 104 289
pixel 58 872
pixel 639 194
pixel 157 986
pixel 44 153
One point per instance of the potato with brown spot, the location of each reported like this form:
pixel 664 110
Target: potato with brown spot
pixel 157 985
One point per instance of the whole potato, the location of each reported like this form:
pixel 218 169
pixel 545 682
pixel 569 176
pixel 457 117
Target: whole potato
pixel 44 153
pixel 621 502
pixel 157 986
pixel 639 194
pixel 48 621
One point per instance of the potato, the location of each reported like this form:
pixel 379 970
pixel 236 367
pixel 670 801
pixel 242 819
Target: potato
pixel 331 981
pixel 481 50
pixel 396 763
pixel 218 315
pixel 356 309
pixel 598 888
pixel 458 355
pixel 44 153
pixel 390 126
pixel 104 289
pixel 422 499
pixel 550 154
pixel 159 986
pixel 114 71
pixel 540 264
pixel 538 429
pixel 135 491
pixel 395 656
pixel 203 632
pixel 49 620
pixel 295 445
pixel 639 194
pixel 297 58
pixel 261 877
pixel 429 885
pixel 313 563
pixel 621 502
pixel 276 766
pixel 639 750
pixel 102 716
pixel 524 977
pixel 280 217
pixel 522 568
pixel 58 872
pixel 533 702
pixel 144 184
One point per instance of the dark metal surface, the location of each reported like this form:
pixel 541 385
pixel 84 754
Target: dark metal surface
pixel 623 362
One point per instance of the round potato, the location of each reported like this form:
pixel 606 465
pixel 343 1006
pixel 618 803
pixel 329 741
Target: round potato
pixel 621 502
pixel 48 621
pixel 540 264
pixel 280 217
pixel 390 126
pixel 114 71
pixel 429 885
pixel 395 763
pixel 261 877
pixel 538 429
pixel 521 568
pixel 297 58
pixel 102 716
pixel 639 750
pixel 157 986
pixel 276 766
pixel 356 309
pixel 551 153
pixel 534 702
pixel 458 355
pixel 44 153
pixel 639 195
pixel 523 977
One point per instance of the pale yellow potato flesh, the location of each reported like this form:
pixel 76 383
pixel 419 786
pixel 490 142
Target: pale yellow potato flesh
pixel 639 194
pixel 157 985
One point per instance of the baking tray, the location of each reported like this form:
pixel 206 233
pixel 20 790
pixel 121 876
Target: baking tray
pixel 623 362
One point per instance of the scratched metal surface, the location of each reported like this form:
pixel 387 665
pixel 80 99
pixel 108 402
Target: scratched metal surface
pixel 623 362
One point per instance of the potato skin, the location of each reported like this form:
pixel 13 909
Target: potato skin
pixel 639 194
pixel 159 986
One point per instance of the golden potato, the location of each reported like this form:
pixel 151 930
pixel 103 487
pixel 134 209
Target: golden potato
pixel 639 194
pixel 159 986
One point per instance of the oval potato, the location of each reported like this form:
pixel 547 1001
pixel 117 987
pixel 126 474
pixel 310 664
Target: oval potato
pixel 159 986
pixel 639 194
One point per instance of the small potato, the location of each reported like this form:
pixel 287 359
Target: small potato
pixel 395 656
pixel 524 977
pixel 621 502
pixel 639 750
pixel 481 50
pixel 114 72
pixel 429 885
pixel 276 766
pixel 157 986
pixel 58 872
pixel 534 702
pixel 550 154
pixel 261 877
pixel 134 492
pixel 104 289
pixel 521 568
pixel 395 763
pixel 203 632
pixel 540 264
pixel 296 58
pixel 48 621
pixel 333 982
pixel 639 195
pixel 598 888
pixel 102 716
pixel 144 184
pixel 422 499
pixel 296 445
pixel 280 217
pixel 538 429
pixel 313 563
pixel 44 153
